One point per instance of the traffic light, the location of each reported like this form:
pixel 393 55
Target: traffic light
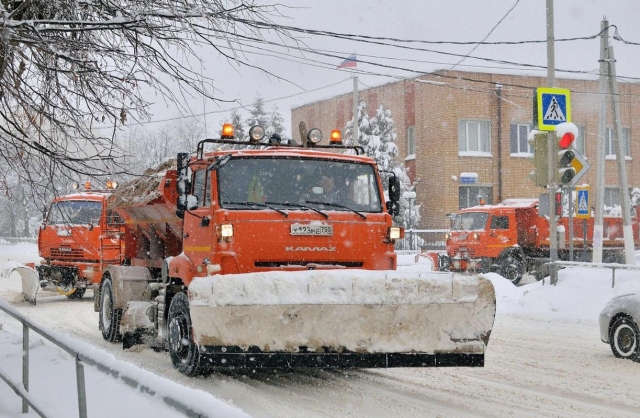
pixel 566 132
pixel 539 145
pixel 558 203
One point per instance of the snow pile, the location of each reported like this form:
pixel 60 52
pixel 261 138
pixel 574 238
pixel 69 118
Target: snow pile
pixel 333 287
pixel 144 188
pixel 52 373
pixel 579 296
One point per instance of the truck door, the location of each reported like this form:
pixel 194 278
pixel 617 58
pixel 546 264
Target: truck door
pixel 502 228
pixel 198 232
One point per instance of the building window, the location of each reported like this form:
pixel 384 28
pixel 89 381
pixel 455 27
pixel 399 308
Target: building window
pixel 471 195
pixel 519 133
pixel 610 143
pixel 579 143
pixel 474 138
pixel 612 196
pixel 411 140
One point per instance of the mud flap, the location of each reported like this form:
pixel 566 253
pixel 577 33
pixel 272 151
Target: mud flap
pixel 30 283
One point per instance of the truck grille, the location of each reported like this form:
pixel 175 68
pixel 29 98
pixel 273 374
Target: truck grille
pixel 67 252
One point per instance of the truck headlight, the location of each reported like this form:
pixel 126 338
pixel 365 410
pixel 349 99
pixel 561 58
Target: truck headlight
pixel 226 231
pixel 395 232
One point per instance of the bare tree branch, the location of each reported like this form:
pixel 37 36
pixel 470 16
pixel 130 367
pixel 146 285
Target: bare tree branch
pixel 70 69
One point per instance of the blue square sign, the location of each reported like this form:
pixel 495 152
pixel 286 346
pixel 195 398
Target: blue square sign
pixel 582 205
pixel 554 107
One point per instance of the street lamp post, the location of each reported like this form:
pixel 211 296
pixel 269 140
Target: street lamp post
pixel 410 196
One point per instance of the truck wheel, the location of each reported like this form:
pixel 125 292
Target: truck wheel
pixel 109 317
pixel 78 294
pixel 184 352
pixel 511 269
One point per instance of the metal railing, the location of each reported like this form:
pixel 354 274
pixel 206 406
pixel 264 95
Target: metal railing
pixel 81 356
pixel 612 266
pixel 422 239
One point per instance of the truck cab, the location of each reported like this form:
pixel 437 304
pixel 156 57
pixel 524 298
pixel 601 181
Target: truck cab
pixel 77 239
pixel 479 234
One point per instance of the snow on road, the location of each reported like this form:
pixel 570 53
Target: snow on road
pixel 545 358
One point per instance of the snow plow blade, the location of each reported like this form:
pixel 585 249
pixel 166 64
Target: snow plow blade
pixel 348 318
pixel 30 283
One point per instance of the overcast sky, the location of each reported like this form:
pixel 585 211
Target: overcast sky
pixel 298 77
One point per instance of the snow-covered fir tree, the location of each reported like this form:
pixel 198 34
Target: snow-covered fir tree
pixel 377 136
pixel 276 122
pixel 258 114
pixel 238 126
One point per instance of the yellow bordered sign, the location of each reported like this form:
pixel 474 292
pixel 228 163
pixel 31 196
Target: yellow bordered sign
pixel 553 107
pixel 583 209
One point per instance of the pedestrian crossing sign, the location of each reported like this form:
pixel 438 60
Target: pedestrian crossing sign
pixel 553 107
pixel 583 210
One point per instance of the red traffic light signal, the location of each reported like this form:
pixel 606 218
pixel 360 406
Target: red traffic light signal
pixel 566 132
pixel 558 203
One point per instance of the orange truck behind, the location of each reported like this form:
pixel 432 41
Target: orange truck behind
pixel 513 239
pixel 78 238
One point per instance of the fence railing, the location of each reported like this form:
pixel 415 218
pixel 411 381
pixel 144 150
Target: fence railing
pixel 422 239
pixel 81 357
pixel 15 240
pixel 612 266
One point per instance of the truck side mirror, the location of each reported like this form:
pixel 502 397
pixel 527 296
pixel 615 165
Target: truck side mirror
pixel 394 188
pixel 393 208
pixel 183 185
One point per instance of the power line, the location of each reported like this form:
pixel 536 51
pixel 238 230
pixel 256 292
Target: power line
pixel 356 37
pixel 488 34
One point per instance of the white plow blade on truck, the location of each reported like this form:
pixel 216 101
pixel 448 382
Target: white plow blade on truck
pixel 353 311
pixel 30 283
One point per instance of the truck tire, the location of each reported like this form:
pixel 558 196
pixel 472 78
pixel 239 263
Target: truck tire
pixel 511 268
pixel 78 294
pixel 109 317
pixel 184 353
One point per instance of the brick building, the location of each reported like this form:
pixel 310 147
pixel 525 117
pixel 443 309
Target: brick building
pixel 476 124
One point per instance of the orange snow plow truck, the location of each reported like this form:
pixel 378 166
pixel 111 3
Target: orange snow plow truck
pixel 281 256
pixel 79 237
pixel 512 239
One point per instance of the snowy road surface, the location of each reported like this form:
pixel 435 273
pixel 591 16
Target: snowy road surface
pixel 536 366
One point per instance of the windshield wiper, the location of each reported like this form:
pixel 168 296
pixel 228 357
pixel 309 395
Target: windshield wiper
pixel 262 205
pixel 335 205
pixel 297 205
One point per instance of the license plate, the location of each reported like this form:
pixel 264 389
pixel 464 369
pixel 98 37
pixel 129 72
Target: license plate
pixel 311 230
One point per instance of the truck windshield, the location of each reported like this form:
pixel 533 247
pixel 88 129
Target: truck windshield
pixel 313 183
pixel 75 212
pixel 470 221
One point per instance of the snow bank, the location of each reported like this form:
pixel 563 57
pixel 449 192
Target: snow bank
pixel 50 364
pixel 579 296
pixel 333 287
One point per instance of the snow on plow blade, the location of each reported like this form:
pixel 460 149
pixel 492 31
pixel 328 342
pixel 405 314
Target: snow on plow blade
pixel 30 283
pixel 348 318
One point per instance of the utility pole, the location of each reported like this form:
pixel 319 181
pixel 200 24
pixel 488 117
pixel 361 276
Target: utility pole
pixel 598 228
pixel 356 129
pixel 621 157
pixel 551 139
